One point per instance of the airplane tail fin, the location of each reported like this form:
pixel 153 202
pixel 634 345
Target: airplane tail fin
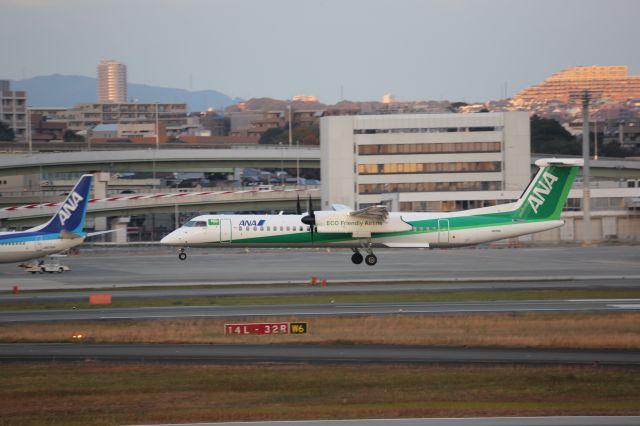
pixel 70 217
pixel 547 192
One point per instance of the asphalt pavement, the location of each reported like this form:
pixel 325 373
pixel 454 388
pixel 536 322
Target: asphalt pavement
pixel 342 354
pixel 161 267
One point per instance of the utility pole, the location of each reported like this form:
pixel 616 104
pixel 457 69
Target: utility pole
pixel 28 129
pixel 290 120
pixel 157 128
pixel 586 196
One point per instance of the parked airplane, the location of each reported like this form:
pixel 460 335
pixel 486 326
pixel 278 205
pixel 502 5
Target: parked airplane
pixel 63 231
pixel 538 209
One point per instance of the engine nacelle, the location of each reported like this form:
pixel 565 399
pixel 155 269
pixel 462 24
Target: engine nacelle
pixel 344 222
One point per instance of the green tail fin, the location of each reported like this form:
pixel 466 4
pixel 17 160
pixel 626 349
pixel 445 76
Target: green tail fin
pixel 548 191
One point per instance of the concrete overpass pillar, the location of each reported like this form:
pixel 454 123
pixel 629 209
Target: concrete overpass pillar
pixel 120 225
pixel 100 180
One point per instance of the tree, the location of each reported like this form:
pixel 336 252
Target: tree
pixel 6 133
pixel 71 136
pixel 549 137
pixel 273 135
pixel 455 107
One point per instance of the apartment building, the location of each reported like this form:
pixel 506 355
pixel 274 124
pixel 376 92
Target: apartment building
pixel 610 83
pixel 88 115
pixel 13 107
pixel 112 81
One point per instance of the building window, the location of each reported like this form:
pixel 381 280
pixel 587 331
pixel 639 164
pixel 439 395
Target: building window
pixel 426 130
pixel 403 168
pixel 429 148
pixel 381 188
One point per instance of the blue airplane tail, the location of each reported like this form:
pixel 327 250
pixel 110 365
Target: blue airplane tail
pixel 71 215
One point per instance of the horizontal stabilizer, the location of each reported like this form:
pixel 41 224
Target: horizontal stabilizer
pixel 93 234
pixel 569 162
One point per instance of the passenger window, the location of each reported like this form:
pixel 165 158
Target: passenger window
pixel 255 228
pixel 288 228
pixel 281 228
pixel 262 228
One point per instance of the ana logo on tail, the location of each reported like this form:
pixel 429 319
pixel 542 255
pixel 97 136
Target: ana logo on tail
pixel 69 207
pixel 544 186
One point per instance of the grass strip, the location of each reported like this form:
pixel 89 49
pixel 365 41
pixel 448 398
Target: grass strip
pixel 391 297
pixel 107 394
pixel 620 331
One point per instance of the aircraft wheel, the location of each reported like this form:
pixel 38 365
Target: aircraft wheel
pixel 357 258
pixel 33 272
pixel 371 259
pixel 60 270
pixel 42 270
pixel 182 255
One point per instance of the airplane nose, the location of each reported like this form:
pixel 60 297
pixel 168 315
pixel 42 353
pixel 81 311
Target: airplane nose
pixel 171 239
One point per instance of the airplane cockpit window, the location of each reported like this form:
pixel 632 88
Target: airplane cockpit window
pixel 193 223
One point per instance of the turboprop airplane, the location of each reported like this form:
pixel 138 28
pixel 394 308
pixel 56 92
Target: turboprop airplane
pixel 538 209
pixel 63 231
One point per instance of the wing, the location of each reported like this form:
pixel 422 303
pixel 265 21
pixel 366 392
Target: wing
pixel 340 208
pixel 372 212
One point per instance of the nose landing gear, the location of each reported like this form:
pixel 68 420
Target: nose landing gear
pixel 182 255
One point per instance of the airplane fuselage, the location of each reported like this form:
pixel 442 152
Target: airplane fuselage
pixel 18 247
pixel 419 230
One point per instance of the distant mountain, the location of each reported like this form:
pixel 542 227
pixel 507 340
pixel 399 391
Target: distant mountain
pixel 66 90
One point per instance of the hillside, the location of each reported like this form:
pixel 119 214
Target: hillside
pixel 66 90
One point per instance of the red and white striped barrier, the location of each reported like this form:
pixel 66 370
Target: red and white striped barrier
pixel 134 197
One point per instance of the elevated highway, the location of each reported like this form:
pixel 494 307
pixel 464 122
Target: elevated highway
pixel 160 160
pixel 177 202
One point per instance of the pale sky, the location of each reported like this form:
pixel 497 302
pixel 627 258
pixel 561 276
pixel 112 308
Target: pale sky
pixel 449 49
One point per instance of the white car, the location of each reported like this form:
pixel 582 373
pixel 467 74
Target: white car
pixel 50 267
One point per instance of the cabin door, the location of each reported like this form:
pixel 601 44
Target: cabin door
pixel 225 231
pixel 443 231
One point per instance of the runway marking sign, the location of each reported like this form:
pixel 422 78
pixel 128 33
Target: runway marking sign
pixel 266 328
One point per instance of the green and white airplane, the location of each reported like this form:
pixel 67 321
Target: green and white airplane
pixel 537 210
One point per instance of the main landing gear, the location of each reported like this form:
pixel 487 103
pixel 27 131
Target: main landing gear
pixel 182 255
pixel 370 259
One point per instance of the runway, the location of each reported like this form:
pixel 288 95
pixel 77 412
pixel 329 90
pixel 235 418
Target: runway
pixel 343 354
pixel 329 309
pixel 155 266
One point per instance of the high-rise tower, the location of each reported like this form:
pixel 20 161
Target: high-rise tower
pixel 112 81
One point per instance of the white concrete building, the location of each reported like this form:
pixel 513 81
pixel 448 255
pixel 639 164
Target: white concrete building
pixel 425 162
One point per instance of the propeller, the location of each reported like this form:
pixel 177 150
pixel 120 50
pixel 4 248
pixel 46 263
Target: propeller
pixel 310 219
pixel 298 208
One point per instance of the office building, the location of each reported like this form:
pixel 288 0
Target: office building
pixel 112 81
pixel 424 162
